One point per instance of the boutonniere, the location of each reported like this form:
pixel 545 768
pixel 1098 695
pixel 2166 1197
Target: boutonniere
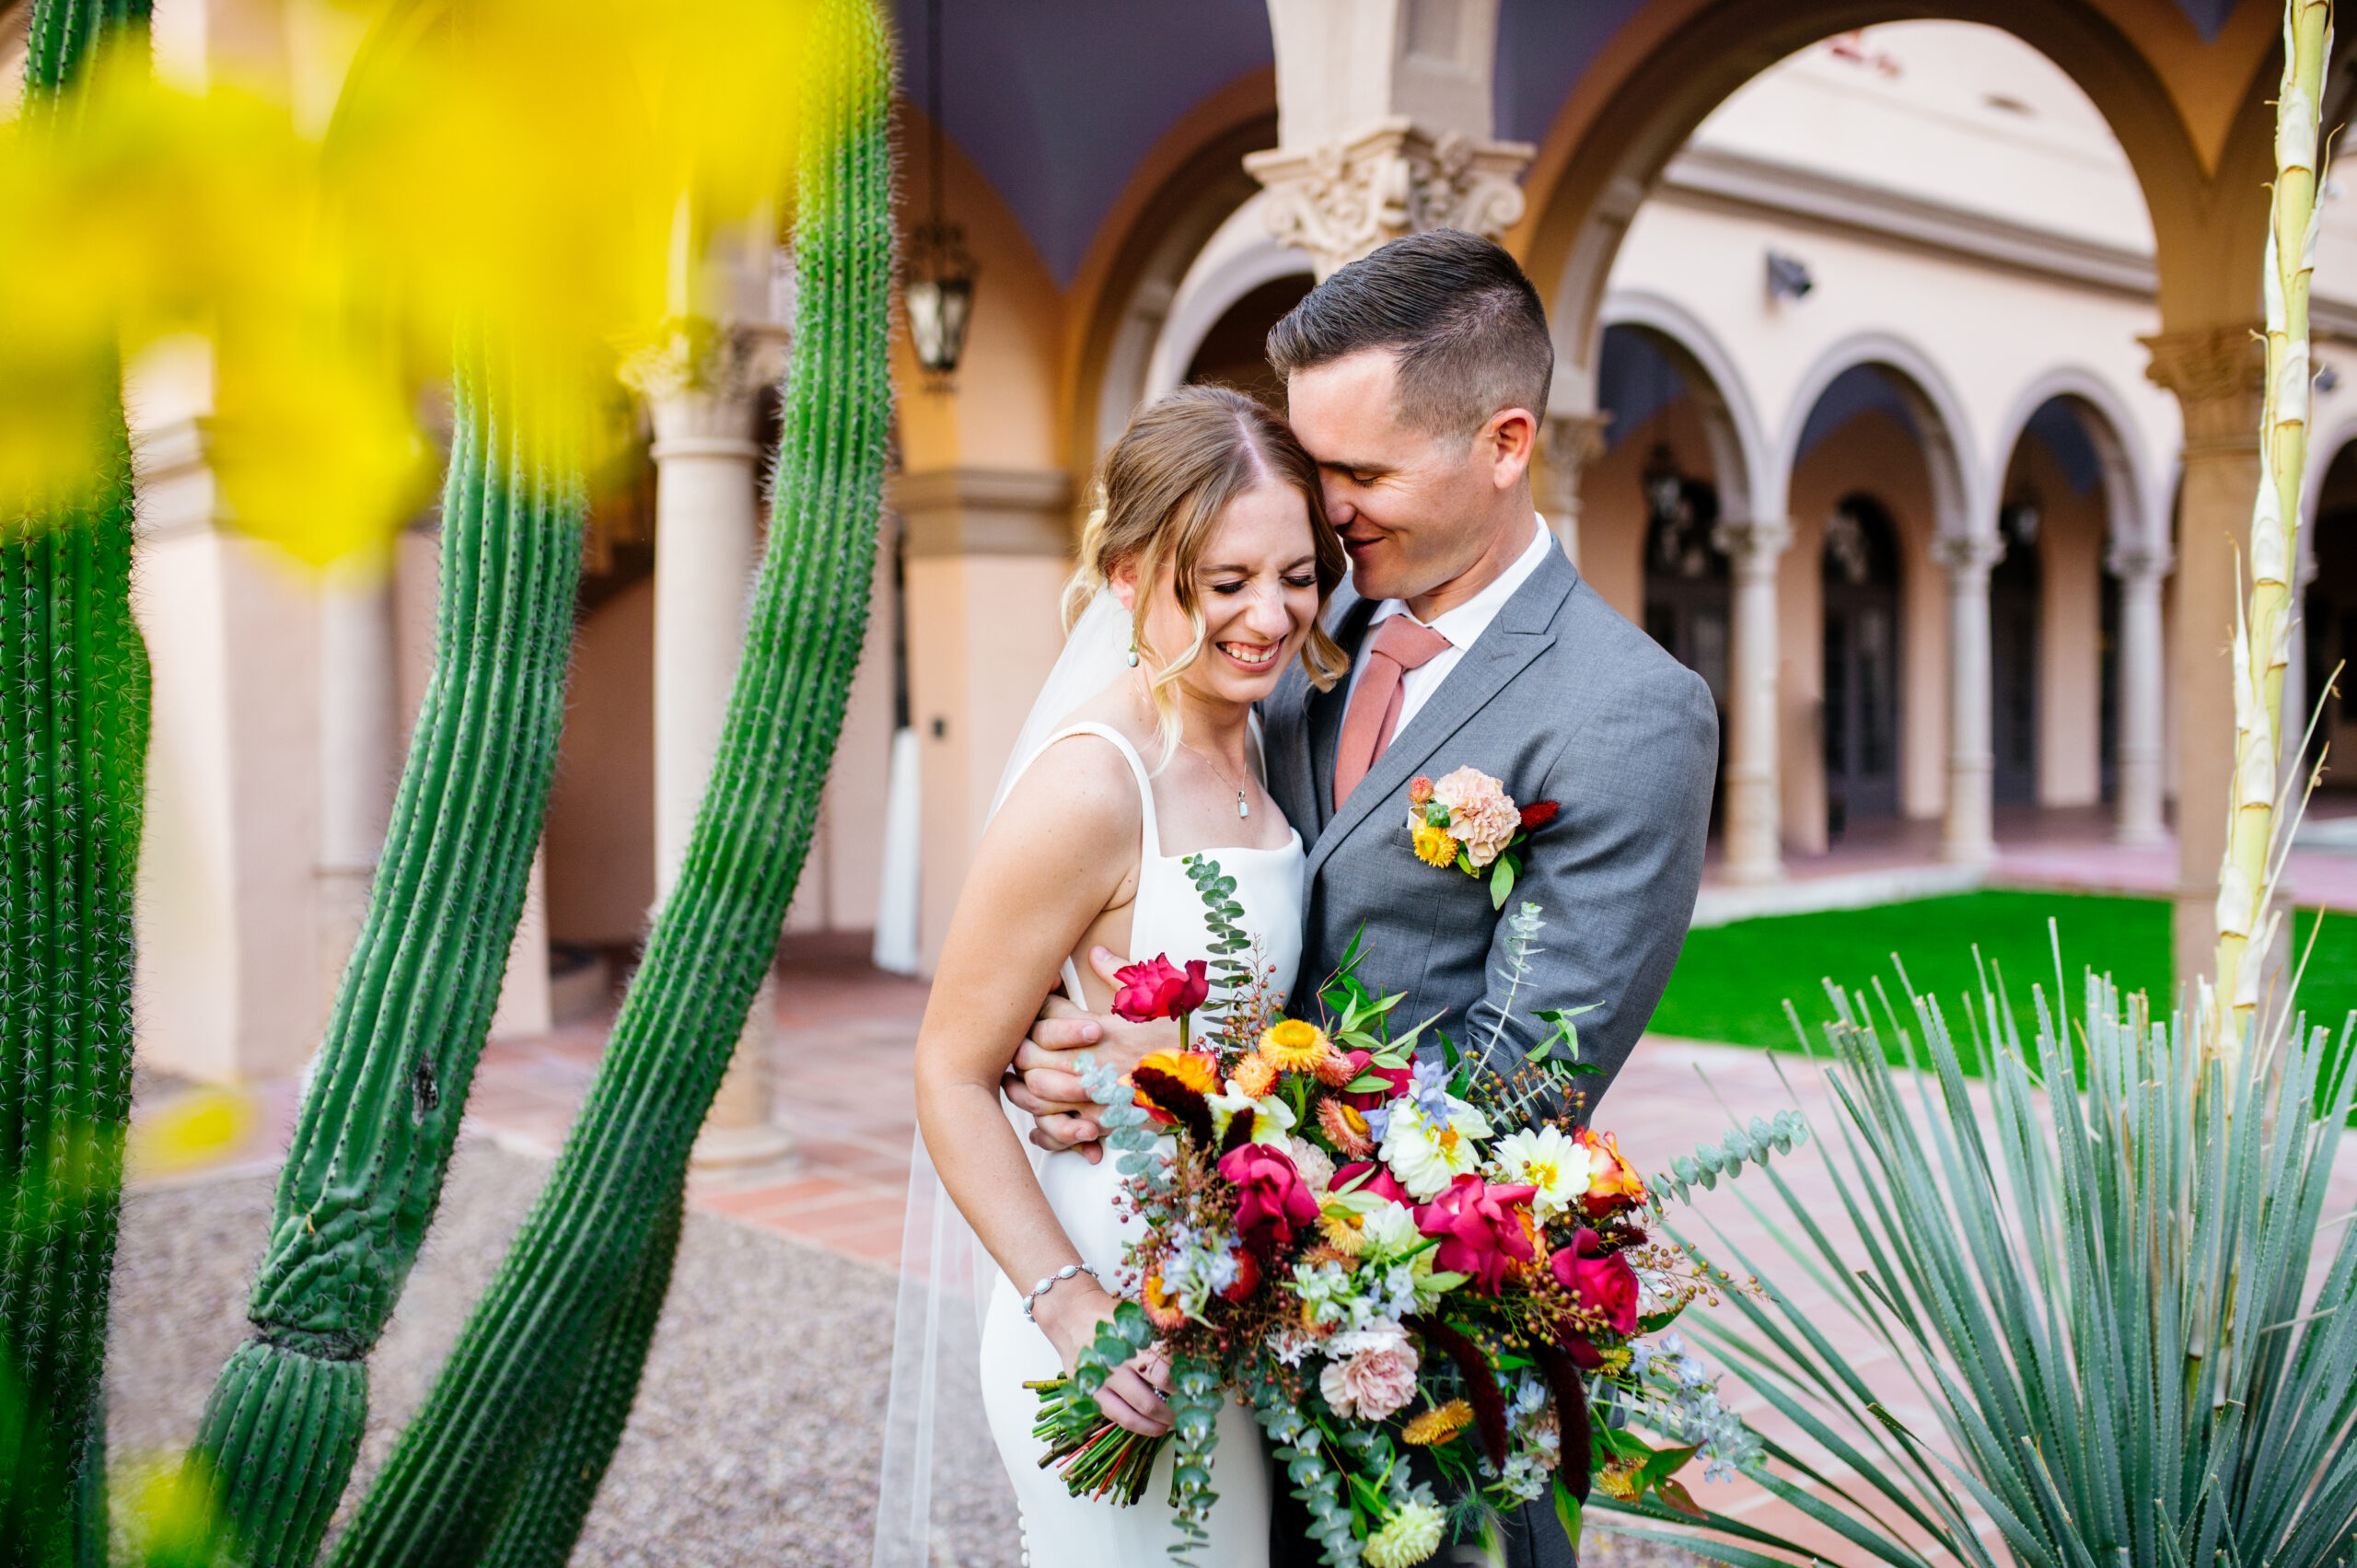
pixel 1469 821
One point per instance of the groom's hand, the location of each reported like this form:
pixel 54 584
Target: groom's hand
pixel 1041 1079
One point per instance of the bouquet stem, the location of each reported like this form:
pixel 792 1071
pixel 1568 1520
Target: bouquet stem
pixel 1095 1458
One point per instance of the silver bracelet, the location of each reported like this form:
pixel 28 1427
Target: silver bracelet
pixel 1045 1286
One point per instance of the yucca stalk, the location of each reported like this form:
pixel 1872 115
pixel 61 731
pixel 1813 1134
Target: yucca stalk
pixel 2108 1295
pixel 2263 628
pixel 374 1138
pixel 73 703
pixel 548 1349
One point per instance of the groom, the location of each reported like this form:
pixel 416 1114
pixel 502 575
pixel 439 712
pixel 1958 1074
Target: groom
pixel 1416 377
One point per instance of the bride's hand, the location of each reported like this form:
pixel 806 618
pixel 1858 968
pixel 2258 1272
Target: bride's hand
pixel 1134 1397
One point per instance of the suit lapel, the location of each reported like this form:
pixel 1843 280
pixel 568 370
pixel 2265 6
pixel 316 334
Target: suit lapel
pixel 1523 630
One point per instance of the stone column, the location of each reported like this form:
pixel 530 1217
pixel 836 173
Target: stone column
pixel 1568 443
pixel 2216 374
pixel 359 747
pixel 701 388
pixel 2136 806
pixel 1384 113
pixel 1753 821
pixel 1967 838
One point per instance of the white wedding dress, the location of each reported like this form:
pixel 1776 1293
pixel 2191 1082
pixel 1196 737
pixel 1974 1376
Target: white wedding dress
pixel 1060 1530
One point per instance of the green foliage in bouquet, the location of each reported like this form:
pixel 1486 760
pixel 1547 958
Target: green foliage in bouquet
pixel 73 764
pixel 374 1138
pixel 549 1359
pixel 2111 1298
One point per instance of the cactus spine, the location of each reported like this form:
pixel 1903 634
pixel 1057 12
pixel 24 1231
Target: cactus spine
pixel 373 1139
pixel 2263 629
pixel 73 764
pixel 570 1290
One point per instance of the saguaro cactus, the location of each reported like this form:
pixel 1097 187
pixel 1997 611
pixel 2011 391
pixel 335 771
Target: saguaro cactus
pixel 373 1139
pixel 547 1361
pixel 72 751
pixel 2263 631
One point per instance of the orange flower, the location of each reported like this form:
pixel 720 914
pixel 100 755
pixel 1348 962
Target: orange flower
pixel 1613 1183
pixel 1161 1310
pixel 1346 1127
pixel 1294 1045
pixel 1334 1069
pixel 1254 1076
pixel 1198 1070
pixel 1438 1424
pixel 1420 790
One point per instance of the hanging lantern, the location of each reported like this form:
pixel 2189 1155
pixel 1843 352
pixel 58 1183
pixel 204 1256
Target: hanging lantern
pixel 938 284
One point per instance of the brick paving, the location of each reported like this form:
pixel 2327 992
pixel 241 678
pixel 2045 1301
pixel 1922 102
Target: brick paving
pixel 843 1070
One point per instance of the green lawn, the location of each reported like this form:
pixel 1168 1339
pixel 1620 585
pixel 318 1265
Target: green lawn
pixel 1732 980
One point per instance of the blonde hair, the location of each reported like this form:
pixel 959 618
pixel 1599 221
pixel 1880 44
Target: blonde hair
pixel 1184 458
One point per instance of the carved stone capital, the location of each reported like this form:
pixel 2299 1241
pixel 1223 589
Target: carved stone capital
pixel 1752 543
pixel 701 379
pixel 2217 374
pixel 2138 561
pixel 1343 198
pixel 1966 558
pixel 1567 443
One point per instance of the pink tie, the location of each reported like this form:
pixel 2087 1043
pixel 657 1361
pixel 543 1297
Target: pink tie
pixel 1401 644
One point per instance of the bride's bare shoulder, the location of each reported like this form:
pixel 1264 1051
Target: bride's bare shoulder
pixel 1079 796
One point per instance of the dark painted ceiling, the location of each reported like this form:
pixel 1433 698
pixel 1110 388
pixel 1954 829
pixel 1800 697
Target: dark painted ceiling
pixel 1058 99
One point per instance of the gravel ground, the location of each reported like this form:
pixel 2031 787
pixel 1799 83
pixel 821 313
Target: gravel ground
pixel 755 1438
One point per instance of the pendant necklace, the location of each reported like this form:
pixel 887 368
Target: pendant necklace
pixel 1243 807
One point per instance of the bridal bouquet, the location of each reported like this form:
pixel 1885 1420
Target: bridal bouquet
pixel 1416 1273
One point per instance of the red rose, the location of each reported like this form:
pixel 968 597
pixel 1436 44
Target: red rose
pixel 1537 813
pixel 1383 1184
pixel 1601 1281
pixel 1480 1228
pixel 1159 989
pixel 1271 1197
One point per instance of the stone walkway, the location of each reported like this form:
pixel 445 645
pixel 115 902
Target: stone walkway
pixel 843 1063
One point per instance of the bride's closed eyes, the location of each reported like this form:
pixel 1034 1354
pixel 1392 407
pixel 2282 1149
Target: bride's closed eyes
pixel 1302 575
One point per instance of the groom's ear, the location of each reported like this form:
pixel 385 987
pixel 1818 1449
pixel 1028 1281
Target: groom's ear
pixel 1510 440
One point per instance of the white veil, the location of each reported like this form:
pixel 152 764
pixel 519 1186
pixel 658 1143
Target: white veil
pixel 943 1497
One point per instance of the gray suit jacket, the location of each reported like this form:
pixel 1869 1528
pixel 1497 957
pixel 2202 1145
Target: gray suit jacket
pixel 1563 700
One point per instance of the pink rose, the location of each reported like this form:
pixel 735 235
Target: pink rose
pixel 1383 1184
pixel 1480 1228
pixel 1481 814
pixel 1601 1281
pixel 1374 1374
pixel 1271 1196
pixel 1159 989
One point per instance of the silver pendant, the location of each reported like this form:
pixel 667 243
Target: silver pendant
pixel 1242 809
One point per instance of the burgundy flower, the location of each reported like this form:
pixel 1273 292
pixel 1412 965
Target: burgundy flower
pixel 1271 1197
pixel 1397 1081
pixel 1537 813
pixel 1480 1228
pixel 1601 1281
pixel 1159 989
pixel 1383 1184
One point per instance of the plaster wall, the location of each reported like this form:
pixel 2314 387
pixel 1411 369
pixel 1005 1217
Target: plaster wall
pixel 1612 503
pixel 2070 651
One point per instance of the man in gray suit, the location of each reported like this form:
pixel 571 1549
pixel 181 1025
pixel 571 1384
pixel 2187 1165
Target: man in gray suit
pixel 1417 377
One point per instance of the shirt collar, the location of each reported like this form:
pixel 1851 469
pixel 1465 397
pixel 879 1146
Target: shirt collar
pixel 1463 626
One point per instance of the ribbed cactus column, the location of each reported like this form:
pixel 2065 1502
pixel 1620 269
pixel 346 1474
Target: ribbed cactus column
pixel 513 1385
pixel 72 751
pixel 373 1139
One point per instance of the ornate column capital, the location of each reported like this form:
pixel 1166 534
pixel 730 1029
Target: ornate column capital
pixel 700 379
pixel 1344 197
pixel 2217 374
pixel 2139 562
pixel 1753 545
pixel 1968 559
pixel 1567 443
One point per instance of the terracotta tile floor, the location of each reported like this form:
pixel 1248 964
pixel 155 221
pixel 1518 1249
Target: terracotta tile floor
pixel 843 1068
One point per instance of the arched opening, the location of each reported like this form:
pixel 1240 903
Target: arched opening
pixel 1233 352
pixel 1858 569
pixel 2328 610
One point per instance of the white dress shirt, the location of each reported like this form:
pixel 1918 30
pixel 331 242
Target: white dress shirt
pixel 1462 627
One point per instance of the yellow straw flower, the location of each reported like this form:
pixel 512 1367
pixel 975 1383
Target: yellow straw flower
pixel 1294 1045
pixel 1433 845
pixel 1343 1232
pixel 1438 1425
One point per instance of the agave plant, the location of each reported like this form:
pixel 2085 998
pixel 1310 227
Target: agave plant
pixel 2108 1293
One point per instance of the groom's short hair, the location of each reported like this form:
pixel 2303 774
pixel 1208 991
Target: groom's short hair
pixel 1467 327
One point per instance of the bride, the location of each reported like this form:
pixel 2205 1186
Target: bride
pixel 1206 569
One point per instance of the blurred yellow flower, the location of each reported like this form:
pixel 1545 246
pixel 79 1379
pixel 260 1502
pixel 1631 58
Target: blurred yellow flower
pixel 1433 845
